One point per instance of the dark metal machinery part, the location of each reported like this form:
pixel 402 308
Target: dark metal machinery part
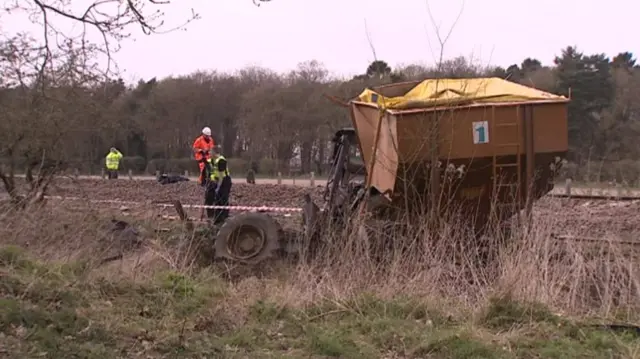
pixel 336 173
pixel 345 193
pixel 342 193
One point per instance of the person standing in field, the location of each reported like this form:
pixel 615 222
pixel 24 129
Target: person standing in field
pixel 112 162
pixel 218 188
pixel 202 147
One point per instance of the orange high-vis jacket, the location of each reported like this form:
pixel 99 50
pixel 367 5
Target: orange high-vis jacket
pixel 203 144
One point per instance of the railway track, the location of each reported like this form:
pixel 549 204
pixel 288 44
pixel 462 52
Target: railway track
pixel 619 242
pixel 623 198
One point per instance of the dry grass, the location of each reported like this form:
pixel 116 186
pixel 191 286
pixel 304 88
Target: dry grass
pixel 536 298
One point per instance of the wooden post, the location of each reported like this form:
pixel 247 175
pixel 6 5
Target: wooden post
pixel 186 173
pixel 312 179
pixel 183 215
pixel 102 173
pixel 293 176
pixel 530 157
pixel 567 187
pixel 279 177
pixel 76 173
pixel 130 173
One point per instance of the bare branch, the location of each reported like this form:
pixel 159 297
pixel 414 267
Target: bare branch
pixel 373 50
pixel 109 18
pixel 257 2
pixel 442 41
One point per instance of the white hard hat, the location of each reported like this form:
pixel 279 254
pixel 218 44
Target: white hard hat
pixel 206 131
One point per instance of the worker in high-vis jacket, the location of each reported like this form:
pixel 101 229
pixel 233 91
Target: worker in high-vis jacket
pixel 218 188
pixel 112 163
pixel 202 147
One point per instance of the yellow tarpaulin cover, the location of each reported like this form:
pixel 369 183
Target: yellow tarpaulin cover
pixel 458 92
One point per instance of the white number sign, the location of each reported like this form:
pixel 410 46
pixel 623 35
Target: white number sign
pixel 480 132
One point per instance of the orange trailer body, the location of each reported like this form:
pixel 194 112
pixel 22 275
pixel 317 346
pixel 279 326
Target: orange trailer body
pixel 496 144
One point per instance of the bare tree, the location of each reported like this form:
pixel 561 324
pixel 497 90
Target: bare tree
pixel 44 109
pixel 102 25
pixel 42 78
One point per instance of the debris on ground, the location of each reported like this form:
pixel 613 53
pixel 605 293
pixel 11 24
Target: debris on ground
pixel 121 237
pixel 165 179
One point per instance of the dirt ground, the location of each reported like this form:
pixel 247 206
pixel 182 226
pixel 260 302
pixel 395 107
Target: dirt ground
pixel 590 218
pixel 593 218
pixel 187 192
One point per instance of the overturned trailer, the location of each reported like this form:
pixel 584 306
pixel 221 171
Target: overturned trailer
pixel 485 147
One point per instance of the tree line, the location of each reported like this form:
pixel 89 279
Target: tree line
pixel 272 121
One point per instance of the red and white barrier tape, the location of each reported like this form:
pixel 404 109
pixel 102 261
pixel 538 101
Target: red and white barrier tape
pixel 96 200
pixel 164 205
pixel 240 208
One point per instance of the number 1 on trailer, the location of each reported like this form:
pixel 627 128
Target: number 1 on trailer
pixel 480 132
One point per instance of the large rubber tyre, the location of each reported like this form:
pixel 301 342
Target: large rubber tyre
pixel 248 238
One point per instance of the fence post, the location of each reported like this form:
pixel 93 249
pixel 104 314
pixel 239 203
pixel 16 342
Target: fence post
pixel 130 173
pixel 102 174
pixel 76 173
pixel 567 187
pixel 619 190
pixel 279 177
pixel 312 179
pixel 293 177
pixel 186 173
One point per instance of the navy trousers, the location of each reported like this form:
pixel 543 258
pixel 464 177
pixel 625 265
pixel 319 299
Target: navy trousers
pixel 218 195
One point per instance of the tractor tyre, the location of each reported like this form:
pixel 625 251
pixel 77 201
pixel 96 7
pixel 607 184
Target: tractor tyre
pixel 248 238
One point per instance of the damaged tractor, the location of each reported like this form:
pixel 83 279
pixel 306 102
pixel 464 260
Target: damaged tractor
pixel 487 147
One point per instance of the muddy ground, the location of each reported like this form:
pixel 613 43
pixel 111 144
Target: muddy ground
pixel 594 218
pixel 590 218
pixel 187 192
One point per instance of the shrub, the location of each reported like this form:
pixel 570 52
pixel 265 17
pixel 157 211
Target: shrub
pixel 179 165
pixel 172 165
pixel 156 165
pixel 19 163
pixel 136 164
pixel 622 171
pixel 628 172
pixel 268 166
pixel 238 166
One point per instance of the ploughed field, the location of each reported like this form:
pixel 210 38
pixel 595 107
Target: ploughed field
pixel 187 192
pixel 593 217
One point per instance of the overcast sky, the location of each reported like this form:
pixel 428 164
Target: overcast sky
pixel 232 34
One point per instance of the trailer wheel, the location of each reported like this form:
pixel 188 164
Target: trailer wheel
pixel 248 237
